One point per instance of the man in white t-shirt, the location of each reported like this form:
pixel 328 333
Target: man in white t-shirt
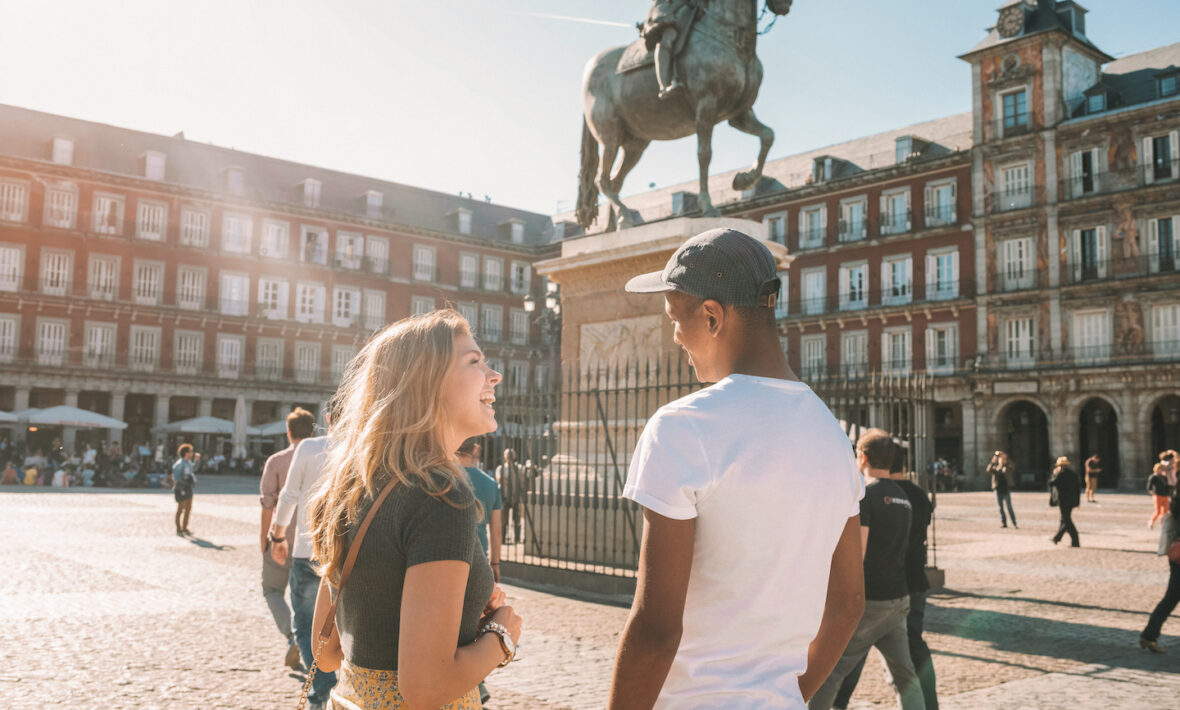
pixel 750 577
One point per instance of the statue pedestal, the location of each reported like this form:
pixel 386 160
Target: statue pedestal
pixel 620 365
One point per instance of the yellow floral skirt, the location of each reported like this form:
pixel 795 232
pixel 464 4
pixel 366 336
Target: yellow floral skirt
pixel 367 689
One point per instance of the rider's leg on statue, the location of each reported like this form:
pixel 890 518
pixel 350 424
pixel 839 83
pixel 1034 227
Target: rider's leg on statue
pixel 665 67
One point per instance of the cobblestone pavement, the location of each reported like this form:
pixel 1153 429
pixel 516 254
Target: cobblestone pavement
pixel 102 607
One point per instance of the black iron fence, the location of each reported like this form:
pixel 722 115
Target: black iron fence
pixel 572 446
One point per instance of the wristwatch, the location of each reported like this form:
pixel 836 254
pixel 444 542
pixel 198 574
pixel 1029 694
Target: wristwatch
pixel 270 536
pixel 506 642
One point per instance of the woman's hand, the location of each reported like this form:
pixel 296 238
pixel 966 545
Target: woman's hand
pixel 508 617
pixel 495 602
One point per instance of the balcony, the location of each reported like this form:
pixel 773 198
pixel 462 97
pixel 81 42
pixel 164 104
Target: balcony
pixel 372 322
pixel 1110 181
pixel 811 238
pixel 98 359
pixel 348 262
pixel 1008 200
pixel 1100 355
pixel 852 230
pixel 884 298
pixel 55 286
pixel 1013 125
pixel 940 215
pixel 377 265
pixel 1095 270
pixel 896 222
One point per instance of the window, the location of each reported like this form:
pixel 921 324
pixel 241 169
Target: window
pixel 272 297
pixel 1096 103
pixel 896 350
pixel 941 350
pixel 1163 244
pixel 1165 329
pixel 377 255
pixel 897 280
pixel 108 214
pixel 1089 254
pixel 1161 156
pixel 854 286
pixel 852 220
pixel 854 353
pixel 274 239
pixel 1018 342
pixel 236 233
pixel 1016 264
pixel 470 311
pixel 942 275
pixel 813 291
pixel 1083 173
pixel 463 221
pixel 1091 336
pixel 1167 85
pixel 821 169
pixel 9 327
pixel 468 270
pixel 895 212
pixel 61 206
pixel 350 248
pixel 307 362
pixel 940 204
pixel 310 191
pixel 493 273
pixel 492 318
pixel 521 277
pixel 152 221
pixel 269 363
pixel 14 200
pixel 1015 108
pixel 98 349
pixel 518 376
pixel 63 151
pixel 346 306
pixel 423 263
pixel 518 326
pixel 153 165
pixel 903 148
pixel 12 261
pixel 813 221
pixel 517 232
pixel 229 356
pixel 145 348
pixel 147 285
pixel 374 310
pixel 373 202
pixel 776 227
pixel 313 246
pixel 190 288
pixel 194 227
pixel 421 305
pixel 780 305
pixel 1015 188
pixel 815 360
pixel 103 277
pixel 341 356
pixel 235 294
pixel 190 348
pixel 56 269
pixel 52 343
pixel 542 374
pixel 235 180
pixel 309 303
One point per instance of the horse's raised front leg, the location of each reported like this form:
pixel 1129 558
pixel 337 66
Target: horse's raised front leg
pixel 705 116
pixel 632 150
pixel 749 123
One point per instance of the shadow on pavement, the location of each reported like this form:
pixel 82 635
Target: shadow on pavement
pixel 952 594
pixel 209 545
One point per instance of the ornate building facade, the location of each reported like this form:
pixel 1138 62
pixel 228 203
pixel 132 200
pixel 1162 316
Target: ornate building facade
pixel 155 279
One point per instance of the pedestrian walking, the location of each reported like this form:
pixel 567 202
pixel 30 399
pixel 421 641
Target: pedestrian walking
pixel 514 483
pixel 275 576
pixel 1066 490
pixel 886 516
pixel 1000 469
pixel 488 529
pixel 915 572
pixel 1093 471
pixel 749 493
pixel 1157 486
pixel 420 622
pixel 1170 459
pixel 184 480
pixel 1169 535
pixel 307 467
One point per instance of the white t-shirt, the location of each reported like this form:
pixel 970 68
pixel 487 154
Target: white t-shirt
pixel 770 477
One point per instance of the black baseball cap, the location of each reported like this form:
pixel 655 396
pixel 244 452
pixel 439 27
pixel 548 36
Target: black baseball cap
pixel 722 264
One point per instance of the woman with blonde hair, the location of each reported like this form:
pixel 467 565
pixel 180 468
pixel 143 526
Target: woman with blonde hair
pixel 420 581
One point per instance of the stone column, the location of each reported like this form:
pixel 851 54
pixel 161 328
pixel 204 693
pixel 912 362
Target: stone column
pixel 118 399
pixel 69 435
pixel 161 416
pixel 970 438
pixel 1133 442
pixel 20 399
pixel 205 407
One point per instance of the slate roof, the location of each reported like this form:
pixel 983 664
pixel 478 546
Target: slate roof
pixel 26 133
pixel 1134 75
pixel 1041 18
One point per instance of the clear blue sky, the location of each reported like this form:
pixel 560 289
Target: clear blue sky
pixel 480 96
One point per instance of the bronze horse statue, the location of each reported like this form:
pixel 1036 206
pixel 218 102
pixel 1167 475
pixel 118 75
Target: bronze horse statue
pixel 622 110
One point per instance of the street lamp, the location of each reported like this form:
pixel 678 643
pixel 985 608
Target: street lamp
pixel 550 317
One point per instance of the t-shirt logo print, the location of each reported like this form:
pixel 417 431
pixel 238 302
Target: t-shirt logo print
pixel 890 500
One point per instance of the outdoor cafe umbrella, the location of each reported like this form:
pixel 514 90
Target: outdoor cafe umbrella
pixel 6 417
pixel 70 417
pixel 275 428
pixel 198 425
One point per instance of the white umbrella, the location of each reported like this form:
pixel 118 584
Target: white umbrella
pixel 198 425
pixel 6 417
pixel 241 429
pixel 72 417
pixel 275 428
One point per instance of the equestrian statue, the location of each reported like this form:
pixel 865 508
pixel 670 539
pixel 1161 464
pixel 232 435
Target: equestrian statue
pixel 694 66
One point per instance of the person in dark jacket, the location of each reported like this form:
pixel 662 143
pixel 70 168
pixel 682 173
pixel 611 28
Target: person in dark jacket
pixel 1149 639
pixel 1068 488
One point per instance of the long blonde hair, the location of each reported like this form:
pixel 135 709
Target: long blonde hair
pixel 387 416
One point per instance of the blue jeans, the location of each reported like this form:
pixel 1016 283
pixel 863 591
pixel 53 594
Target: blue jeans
pixel 1005 496
pixel 305 583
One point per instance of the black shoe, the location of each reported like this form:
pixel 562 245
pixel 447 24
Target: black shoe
pixel 1003 525
pixel 1054 540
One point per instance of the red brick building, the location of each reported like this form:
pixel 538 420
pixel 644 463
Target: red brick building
pixel 156 279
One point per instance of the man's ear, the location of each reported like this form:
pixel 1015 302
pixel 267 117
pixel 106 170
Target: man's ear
pixel 714 314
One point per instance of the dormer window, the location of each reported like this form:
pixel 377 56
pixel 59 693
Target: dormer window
pixel 1096 103
pixel 1167 84
pixel 153 165
pixel 235 180
pixel 373 202
pixel 63 151
pixel 309 190
pixel 463 220
pixel 821 169
pixel 903 148
pixel 517 231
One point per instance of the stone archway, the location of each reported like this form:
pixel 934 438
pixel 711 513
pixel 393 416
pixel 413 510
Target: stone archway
pixel 1098 433
pixel 1024 429
pixel 1165 426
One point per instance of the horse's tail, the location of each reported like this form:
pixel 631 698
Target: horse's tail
pixel 587 210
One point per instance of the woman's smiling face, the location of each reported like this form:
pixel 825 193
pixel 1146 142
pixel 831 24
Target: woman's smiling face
pixel 468 392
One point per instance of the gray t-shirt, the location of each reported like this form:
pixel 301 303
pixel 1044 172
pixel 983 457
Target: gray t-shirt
pixel 411 528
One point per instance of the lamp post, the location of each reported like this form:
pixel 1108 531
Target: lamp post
pixel 550 317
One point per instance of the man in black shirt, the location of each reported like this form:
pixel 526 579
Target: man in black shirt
pixel 885 517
